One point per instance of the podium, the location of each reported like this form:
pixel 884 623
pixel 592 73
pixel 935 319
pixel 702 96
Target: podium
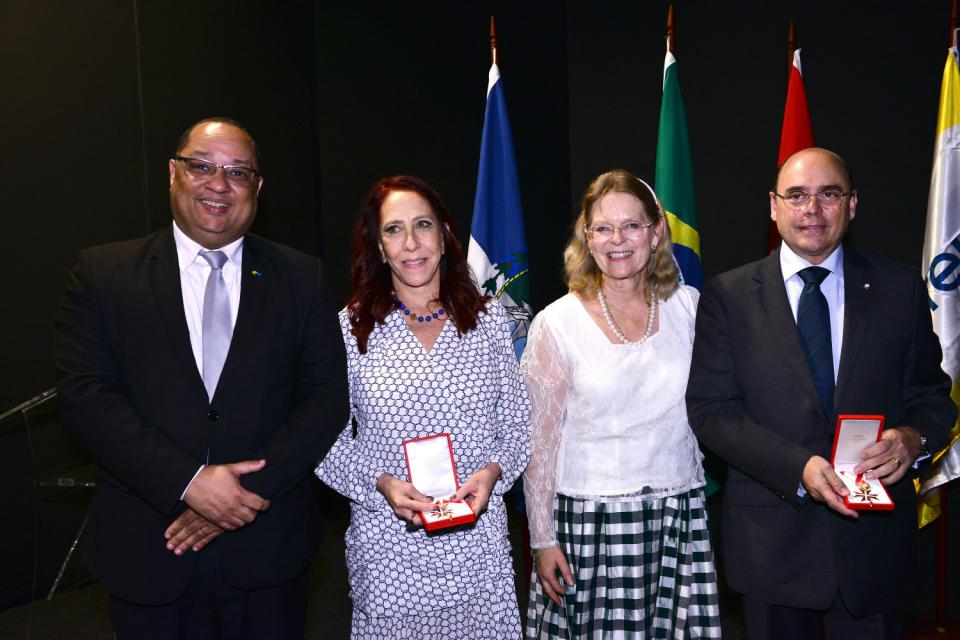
pixel 46 482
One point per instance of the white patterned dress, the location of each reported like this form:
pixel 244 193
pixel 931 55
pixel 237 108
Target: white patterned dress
pixel 408 583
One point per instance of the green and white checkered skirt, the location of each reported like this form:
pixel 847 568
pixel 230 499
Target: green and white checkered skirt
pixel 642 569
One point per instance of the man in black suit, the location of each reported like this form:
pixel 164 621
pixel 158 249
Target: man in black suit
pixel 782 347
pixel 204 368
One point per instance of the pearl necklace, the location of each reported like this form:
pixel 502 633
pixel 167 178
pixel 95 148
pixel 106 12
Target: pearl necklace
pixel 425 318
pixel 651 317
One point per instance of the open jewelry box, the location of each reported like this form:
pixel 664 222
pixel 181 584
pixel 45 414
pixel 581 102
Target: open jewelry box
pixel 432 471
pixel 854 434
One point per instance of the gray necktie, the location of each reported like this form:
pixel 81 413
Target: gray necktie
pixel 217 329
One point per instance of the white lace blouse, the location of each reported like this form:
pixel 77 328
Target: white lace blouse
pixel 609 420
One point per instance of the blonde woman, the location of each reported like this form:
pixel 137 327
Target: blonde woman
pixel 614 486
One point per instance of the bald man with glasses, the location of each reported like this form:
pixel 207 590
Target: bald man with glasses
pixel 783 346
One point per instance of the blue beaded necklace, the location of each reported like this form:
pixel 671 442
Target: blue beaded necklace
pixel 427 318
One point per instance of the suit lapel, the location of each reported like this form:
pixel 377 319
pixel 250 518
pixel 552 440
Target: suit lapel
pixel 164 273
pixel 856 316
pixel 773 300
pixel 255 283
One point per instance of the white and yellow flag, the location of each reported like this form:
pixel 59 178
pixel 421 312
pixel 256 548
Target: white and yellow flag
pixel 941 270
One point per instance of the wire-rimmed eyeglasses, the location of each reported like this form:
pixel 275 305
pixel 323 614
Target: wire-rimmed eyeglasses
pixel 828 198
pixel 630 230
pixel 233 174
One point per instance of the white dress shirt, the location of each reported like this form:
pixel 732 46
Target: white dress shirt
pixel 194 271
pixel 832 287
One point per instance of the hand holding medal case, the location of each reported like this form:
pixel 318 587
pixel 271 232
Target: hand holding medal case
pixel 854 434
pixel 432 471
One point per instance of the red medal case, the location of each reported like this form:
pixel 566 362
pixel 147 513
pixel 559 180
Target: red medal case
pixel 854 434
pixel 431 469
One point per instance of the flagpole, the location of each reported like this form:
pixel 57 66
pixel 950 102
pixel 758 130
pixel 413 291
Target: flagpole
pixel 954 13
pixel 670 33
pixel 942 558
pixel 773 235
pixel 493 42
pixel 791 46
pixel 942 541
pixel 484 273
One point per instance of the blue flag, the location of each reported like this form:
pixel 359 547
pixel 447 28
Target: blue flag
pixel 497 252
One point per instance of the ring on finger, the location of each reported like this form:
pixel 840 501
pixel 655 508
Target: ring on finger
pixel 895 460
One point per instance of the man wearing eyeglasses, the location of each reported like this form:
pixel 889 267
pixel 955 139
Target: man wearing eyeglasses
pixel 203 367
pixel 783 346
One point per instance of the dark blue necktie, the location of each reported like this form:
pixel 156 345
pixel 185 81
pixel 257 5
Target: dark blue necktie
pixel 813 321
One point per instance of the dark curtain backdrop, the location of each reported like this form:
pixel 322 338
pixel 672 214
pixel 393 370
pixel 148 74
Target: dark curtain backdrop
pixel 340 93
pixel 401 89
pixel 95 95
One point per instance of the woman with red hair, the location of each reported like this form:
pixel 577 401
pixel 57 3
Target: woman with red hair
pixel 427 354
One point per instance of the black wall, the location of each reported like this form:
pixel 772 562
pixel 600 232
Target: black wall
pixel 95 93
pixel 871 70
pixel 339 94
pixel 401 88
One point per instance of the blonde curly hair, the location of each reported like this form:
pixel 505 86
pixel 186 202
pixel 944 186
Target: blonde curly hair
pixel 583 276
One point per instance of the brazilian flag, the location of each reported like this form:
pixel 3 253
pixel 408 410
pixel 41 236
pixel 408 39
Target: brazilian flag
pixel 674 177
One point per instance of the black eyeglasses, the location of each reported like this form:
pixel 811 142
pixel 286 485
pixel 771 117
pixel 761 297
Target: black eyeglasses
pixel 197 168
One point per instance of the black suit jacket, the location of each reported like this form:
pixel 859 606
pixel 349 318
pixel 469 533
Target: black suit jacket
pixel 752 400
pixel 133 395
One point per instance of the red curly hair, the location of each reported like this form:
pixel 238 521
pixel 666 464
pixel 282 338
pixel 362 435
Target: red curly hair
pixel 372 297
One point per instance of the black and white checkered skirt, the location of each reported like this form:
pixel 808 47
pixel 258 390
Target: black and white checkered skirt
pixel 642 569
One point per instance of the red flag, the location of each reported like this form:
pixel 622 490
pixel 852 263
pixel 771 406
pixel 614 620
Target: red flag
pixel 797 132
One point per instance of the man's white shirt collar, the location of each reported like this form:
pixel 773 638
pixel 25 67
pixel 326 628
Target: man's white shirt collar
pixel 791 264
pixel 188 250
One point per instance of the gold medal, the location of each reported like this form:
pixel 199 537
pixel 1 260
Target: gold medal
pixel 864 494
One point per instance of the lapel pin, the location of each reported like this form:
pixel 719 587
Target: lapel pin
pixel 866 285
pixel 260 273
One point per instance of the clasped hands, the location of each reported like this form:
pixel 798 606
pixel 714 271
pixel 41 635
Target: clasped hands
pixel 217 502
pixel 887 460
pixel 407 502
